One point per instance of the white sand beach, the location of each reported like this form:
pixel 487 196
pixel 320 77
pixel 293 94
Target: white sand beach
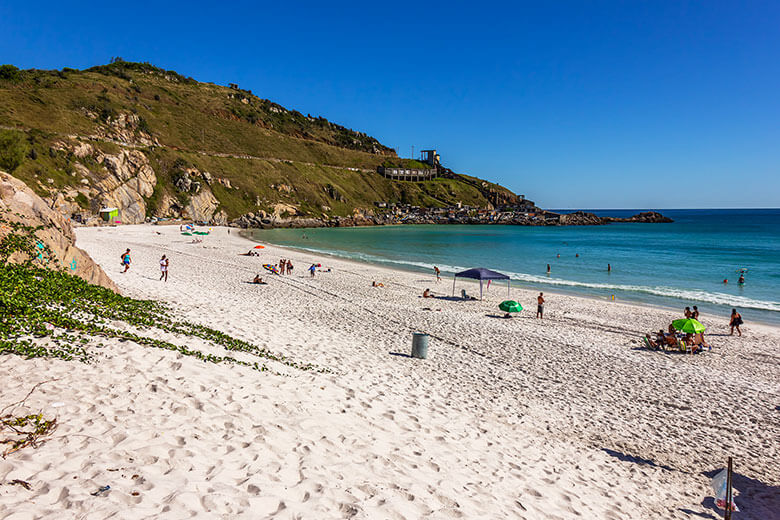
pixel 560 418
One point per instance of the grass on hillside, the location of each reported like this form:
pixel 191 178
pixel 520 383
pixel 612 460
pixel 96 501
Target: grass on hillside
pixel 312 185
pixel 194 122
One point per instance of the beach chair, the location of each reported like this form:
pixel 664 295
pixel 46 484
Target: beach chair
pixel 683 347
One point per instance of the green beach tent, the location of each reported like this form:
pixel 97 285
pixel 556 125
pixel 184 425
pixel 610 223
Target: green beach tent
pixel 510 306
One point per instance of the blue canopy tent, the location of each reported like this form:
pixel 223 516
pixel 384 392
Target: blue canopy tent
pixel 481 274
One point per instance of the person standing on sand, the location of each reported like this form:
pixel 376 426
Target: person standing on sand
pixel 312 269
pixel 695 313
pixel 289 267
pixel 163 268
pixel 735 322
pixel 438 274
pixel 540 306
pixel 126 260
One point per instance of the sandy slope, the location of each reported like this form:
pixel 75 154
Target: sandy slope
pixel 564 418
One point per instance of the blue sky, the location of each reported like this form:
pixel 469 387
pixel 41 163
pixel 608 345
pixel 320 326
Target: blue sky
pixel 632 104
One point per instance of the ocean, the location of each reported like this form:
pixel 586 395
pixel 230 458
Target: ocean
pixel 673 265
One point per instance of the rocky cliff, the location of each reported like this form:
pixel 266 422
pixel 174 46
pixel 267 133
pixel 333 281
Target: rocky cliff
pixel 23 215
pixel 126 180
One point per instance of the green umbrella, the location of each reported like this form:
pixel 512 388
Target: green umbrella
pixel 688 325
pixel 510 306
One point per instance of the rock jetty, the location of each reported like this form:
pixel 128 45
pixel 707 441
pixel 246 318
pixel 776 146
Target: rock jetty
pixel 455 215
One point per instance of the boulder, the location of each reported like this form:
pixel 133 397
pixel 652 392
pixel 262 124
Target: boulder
pixel 202 206
pixel 20 204
pixel 130 179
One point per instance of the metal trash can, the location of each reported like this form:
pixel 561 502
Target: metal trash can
pixel 420 345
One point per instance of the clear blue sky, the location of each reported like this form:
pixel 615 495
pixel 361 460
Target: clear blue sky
pixel 589 104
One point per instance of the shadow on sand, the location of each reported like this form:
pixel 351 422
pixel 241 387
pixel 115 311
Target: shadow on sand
pixel 636 460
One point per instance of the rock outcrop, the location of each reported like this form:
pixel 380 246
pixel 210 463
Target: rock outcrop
pixel 20 205
pixel 120 180
pixel 129 179
pixel 580 218
pixel 650 217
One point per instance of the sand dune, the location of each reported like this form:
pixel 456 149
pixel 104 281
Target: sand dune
pixel 522 418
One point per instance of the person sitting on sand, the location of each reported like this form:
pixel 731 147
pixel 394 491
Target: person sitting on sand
pixel 651 342
pixel 698 339
pixel 466 296
pixel 691 342
pixel 258 279
pixel 427 293
pixel 671 337
pixel 377 284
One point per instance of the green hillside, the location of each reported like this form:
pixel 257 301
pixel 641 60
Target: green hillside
pixel 267 153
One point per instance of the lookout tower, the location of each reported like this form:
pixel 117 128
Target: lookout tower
pixel 430 157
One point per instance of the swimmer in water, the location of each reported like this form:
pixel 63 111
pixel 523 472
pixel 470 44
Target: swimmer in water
pixel 741 278
pixel 725 280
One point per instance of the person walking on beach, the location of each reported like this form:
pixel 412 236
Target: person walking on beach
pixel 438 274
pixel 312 269
pixel 735 322
pixel 540 306
pixel 126 260
pixel 163 268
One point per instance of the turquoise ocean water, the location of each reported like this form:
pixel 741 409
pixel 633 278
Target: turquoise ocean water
pixel 675 265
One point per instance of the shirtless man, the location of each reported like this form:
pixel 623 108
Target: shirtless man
pixel 540 306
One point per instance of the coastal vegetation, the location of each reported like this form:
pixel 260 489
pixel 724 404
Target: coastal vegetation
pixel 47 312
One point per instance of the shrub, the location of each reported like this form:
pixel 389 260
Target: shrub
pixel 13 149
pixel 9 72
